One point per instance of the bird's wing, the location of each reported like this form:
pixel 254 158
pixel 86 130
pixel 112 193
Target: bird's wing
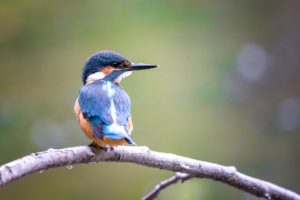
pixel 96 106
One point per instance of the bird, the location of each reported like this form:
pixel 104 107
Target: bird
pixel 102 107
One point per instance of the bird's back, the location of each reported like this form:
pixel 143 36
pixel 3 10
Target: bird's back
pixel 106 107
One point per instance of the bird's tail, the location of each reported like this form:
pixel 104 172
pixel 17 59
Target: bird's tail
pixel 130 141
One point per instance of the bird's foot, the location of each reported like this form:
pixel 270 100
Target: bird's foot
pixel 94 147
pixel 107 148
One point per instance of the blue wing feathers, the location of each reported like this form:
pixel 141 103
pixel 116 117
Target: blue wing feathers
pixel 95 104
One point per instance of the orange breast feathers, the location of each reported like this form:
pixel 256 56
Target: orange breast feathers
pixel 130 126
pixel 84 124
pixel 88 130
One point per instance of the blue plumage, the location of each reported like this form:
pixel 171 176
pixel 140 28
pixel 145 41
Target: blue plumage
pixel 101 59
pixel 103 107
pixel 105 103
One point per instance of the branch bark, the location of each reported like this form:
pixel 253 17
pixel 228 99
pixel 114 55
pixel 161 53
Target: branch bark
pixel 143 156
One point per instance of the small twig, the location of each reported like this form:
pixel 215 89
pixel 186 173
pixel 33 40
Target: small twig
pixel 166 183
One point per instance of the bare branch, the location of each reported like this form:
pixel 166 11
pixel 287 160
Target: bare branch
pixel 166 183
pixel 142 156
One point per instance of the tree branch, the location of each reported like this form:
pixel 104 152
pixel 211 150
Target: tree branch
pixel 142 156
pixel 166 183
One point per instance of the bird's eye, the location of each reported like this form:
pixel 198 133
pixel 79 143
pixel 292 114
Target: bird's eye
pixel 125 64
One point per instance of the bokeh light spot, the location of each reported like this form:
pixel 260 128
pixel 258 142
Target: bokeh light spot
pixel 288 118
pixel 46 133
pixel 251 62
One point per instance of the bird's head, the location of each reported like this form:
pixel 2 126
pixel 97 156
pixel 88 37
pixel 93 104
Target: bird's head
pixel 111 66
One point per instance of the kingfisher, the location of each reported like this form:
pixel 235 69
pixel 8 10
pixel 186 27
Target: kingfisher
pixel 102 107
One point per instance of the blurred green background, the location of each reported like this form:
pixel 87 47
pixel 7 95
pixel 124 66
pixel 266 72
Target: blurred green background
pixel 227 91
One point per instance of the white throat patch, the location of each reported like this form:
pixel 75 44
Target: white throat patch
pixel 94 77
pixel 100 75
pixel 122 76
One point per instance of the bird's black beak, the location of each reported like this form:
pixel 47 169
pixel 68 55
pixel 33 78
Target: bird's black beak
pixel 141 66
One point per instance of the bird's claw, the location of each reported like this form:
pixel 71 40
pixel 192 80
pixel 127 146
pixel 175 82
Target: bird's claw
pixel 107 148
